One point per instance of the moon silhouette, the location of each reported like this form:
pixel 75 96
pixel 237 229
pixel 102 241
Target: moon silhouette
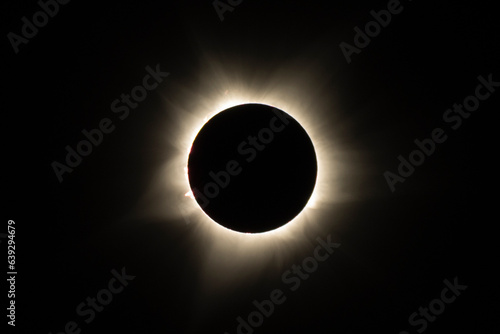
pixel 252 168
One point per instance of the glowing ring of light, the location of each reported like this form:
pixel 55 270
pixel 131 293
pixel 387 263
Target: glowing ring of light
pixel 293 89
pixel 227 102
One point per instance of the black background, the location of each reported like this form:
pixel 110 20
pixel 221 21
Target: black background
pixel 397 248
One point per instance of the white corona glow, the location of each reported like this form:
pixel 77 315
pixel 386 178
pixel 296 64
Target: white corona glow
pixel 294 89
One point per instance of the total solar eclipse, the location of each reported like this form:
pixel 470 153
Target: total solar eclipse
pixel 252 168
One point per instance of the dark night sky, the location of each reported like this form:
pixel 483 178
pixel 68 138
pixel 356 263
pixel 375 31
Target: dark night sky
pixel 396 247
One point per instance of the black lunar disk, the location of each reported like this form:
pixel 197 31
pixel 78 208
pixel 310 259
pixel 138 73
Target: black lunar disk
pixel 252 168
